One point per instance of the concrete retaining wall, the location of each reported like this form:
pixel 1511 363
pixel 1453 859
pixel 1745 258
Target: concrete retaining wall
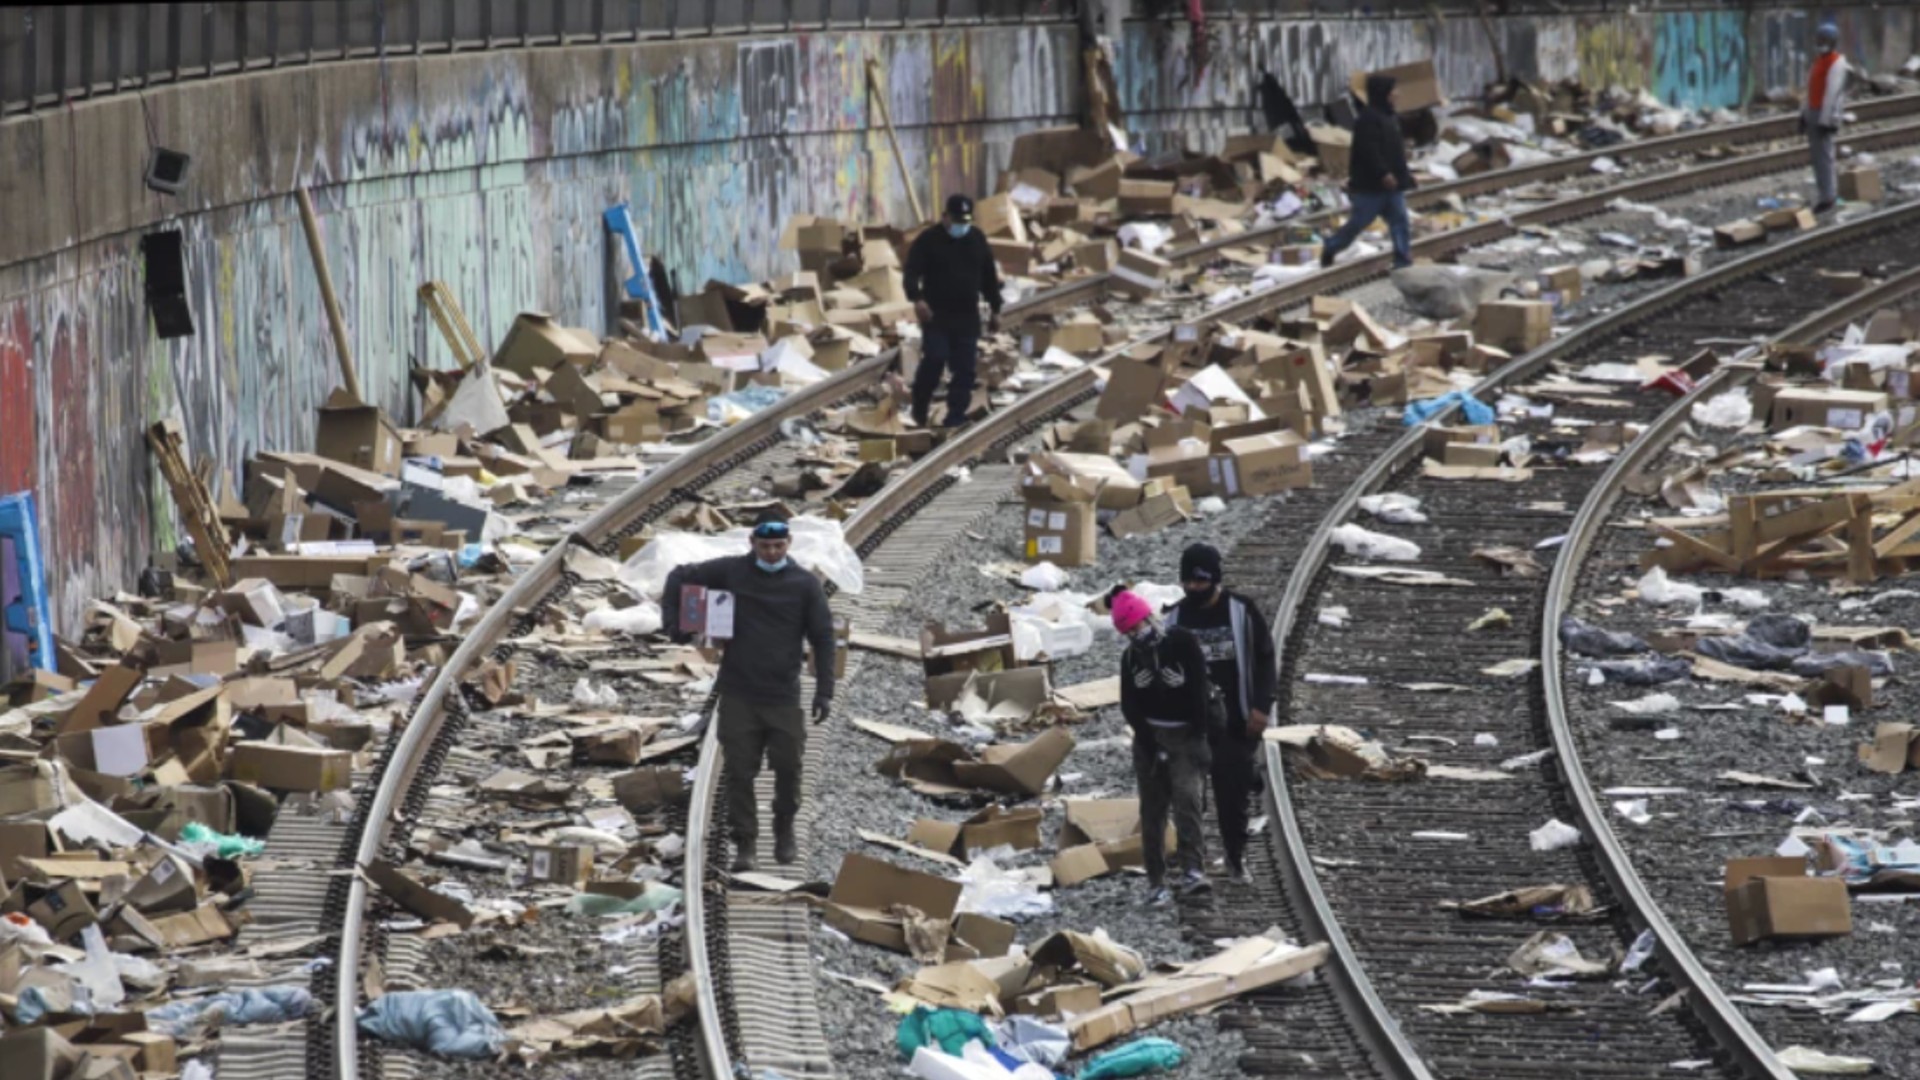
pixel 489 171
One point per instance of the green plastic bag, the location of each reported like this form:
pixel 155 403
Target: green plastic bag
pixel 946 1029
pixel 224 845
pixel 653 897
pixel 1137 1058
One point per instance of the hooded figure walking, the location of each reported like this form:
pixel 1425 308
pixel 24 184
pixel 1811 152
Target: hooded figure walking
pixel 1238 647
pixel 1826 98
pixel 1163 695
pixel 1378 178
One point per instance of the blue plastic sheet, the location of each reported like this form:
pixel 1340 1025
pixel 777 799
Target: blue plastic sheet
pixel 1472 409
pixel 235 1008
pixel 451 1023
pixel 26 623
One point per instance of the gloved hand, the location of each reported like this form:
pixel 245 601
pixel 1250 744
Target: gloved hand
pixel 1831 129
pixel 822 705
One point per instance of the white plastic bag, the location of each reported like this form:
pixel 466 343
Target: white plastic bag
pixel 1367 544
pixel 641 618
pixel 989 890
pixel 1554 835
pixel 588 696
pixel 1733 409
pixel 819 545
pixel 1044 577
pixel 1657 589
pixel 1393 507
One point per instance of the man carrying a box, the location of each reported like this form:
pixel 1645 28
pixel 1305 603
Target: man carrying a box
pixel 1163 695
pixel 1378 177
pixel 777 606
pixel 950 269
pixel 1241 668
pixel 1826 97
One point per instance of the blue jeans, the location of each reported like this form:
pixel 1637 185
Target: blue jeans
pixel 951 351
pixel 1369 206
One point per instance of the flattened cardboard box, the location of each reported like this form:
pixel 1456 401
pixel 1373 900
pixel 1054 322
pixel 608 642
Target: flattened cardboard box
pixel 1018 828
pixel 1020 768
pixel 415 897
pixel 865 887
pixel 1028 687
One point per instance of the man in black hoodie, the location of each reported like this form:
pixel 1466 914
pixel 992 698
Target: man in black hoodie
pixel 1240 665
pixel 778 605
pixel 950 269
pixel 1377 177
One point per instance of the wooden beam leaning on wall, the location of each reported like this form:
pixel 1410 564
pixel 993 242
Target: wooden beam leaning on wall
pixel 194 500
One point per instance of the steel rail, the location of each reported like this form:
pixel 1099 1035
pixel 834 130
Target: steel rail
pixel 1344 965
pixel 1772 127
pixel 1725 1020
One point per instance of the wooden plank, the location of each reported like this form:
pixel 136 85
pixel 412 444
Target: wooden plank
pixel 1699 549
pixel 1899 535
pixel 1860 568
pixel 1766 557
pixel 882 643
pixel 1091 695
pixel 1740 511
pixel 1803 519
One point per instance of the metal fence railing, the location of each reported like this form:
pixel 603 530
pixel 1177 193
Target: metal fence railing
pixel 51 54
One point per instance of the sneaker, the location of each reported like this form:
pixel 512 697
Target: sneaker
pixel 1159 896
pixel 1326 261
pixel 1822 207
pixel 1237 873
pixel 1193 882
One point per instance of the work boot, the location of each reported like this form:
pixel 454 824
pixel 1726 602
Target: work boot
pixel 1326 259
pixel 784 848
pixel 742 858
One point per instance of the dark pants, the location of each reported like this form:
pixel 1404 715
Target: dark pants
pixel 1369 206
pixel 1236 783
pixel 1170 769
pixel 750 730
pixel 953 351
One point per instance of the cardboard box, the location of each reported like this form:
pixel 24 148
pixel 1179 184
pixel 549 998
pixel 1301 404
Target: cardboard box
pixel 1100 1026
pixel 1026 687
pixel 1263 465
pixel 1302 366
pixel 1077 864
pixel 415 897
pixel 865 887
pixel 291 768
pixel 62 910
pixel 1895 748
pixel 1138 274
pixel 1112 826
pixel 1062 531
pixel 560 864
pixel 1416 86
pixel 1146 198
pixel 1773 897
pixel 944 652
pixel 650 786
pixel 20 840
pixel 36 1053
pixel 1861 184
pixel 1113 486
pixel 1821 407
pixel 1059 1000
pixel 1187 463
pixel 1333 147
pixel 1799 220
pixel 1472 455
pixel 1133 388
pixel 1516 326
pixel 1739 234
pixel 1018 768
pixel 357 434
pixel 1154 513
pixel 1018 828
pixel 536 341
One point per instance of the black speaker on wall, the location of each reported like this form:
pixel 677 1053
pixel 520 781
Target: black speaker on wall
pixel 167 283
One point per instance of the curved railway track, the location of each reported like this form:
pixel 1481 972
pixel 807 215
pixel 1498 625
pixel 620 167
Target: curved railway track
pixel 1372 888
pixel 395 793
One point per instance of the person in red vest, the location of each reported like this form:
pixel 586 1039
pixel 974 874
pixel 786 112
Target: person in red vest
pixel 1826 97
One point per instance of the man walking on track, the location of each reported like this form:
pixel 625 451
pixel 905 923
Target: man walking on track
pixel 1826 98
pixel 1240 665
pixel 950 269
pixel 1378 178
pixel 777 606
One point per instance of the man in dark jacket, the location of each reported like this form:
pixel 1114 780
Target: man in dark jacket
pixel 1377 177
pixel 1163 695
pixel 1240 664
pixel 950 269
pixel 777 606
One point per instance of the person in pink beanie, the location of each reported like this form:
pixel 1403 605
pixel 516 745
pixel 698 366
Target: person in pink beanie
pixel 1163 695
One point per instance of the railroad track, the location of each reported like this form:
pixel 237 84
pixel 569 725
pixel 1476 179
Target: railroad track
pixel 395 793
pixel 1353 864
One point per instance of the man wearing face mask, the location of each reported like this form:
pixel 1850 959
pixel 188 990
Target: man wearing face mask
pixel 950 269
pixel 777 606
pixel 1163 695
pixel 1238 646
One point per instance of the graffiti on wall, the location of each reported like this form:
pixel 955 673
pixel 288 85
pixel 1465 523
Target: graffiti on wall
pixel 1614 50
pixel 1700 59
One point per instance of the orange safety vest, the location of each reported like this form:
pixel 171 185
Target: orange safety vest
pixel 1817 80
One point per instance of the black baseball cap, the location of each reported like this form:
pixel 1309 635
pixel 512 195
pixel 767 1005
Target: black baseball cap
pixel 959 208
